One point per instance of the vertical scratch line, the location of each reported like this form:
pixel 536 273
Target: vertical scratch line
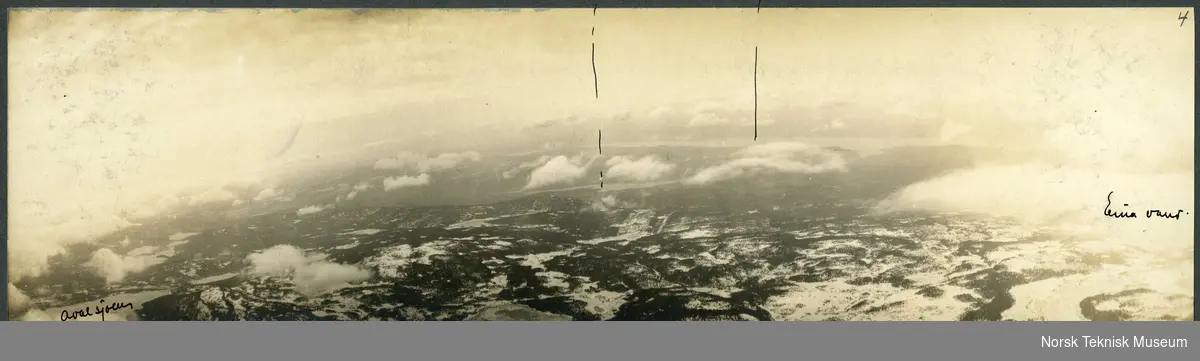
pixel 600 147
pixel 756 93
pixel 596 88
pixel 595 77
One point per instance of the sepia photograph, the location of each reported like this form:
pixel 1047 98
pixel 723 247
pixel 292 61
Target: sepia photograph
pixel 670 164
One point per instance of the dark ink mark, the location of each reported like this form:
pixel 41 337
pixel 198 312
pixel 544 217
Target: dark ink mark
pixel 595 78
pixel 600 147
pixel 1108 212
pixel 1152 213
pixel 759 9
pixel 756 93
pixel 1161 214
pixel 596 88
pixel 87 311
pixel 1183 17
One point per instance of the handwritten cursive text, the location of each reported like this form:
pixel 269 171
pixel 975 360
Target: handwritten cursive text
pixel 1153 213
pixel 1117 214
pixel 101 310
pixel 1163 214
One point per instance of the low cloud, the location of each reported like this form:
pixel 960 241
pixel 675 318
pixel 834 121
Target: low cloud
pixel 709 117
pixel 320 276
pixel 29 259
pixel 29 251
pixel 1066 198
pixel 311 273
pixel 511 173
pixel 173 201
pixel 393 183
pixel 213 195
pixel 361 187
pixel 558 170
pixel 424 164
pixel 280 259
pixel 267 194
pixel 309 210
pixel 38 315
pixel 18 302
pixel 661 111
pixel 645 169
pixel 21 307
pixel 154 207
pixel 1064 184
pixel 550 122
pixel 610 202
pixel 115 267
pixel 708 114
pixel 781 157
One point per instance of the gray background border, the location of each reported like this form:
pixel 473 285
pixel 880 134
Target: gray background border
pixel 535 341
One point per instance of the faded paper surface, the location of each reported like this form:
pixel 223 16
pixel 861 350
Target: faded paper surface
pixel 973 164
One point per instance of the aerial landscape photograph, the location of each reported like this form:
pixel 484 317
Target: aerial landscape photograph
pixel 601 165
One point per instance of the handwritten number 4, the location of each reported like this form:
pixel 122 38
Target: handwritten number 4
pixel 1183 17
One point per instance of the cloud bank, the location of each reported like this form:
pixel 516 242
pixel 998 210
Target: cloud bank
pixel 18 302
pixel 267 194
pixel 213 195
pixel 393 183
pixel 358 188
pixel 707 113
pixel 511 173
pixel 1146 165
pixel 20 307
pixel 781 157
pixel 115 267
pixel 711 113
pixel 424 164
pixel 27 258
pixel 313 209
pixel 645 169
pixel 558 170
pixel 1070 199
pixel 310 273
pixel 610 202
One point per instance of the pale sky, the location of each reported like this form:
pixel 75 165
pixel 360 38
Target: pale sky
pixel 108 108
